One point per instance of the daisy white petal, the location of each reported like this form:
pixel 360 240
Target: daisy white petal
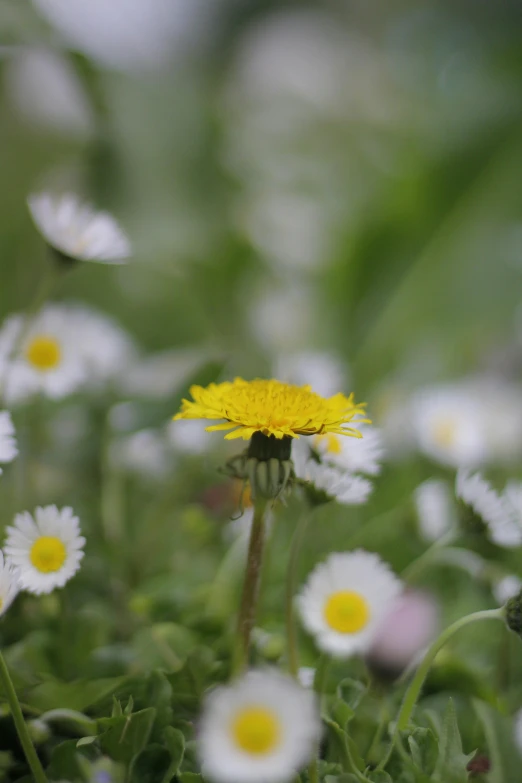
pixel 45 548
pixel 43 358
pixel 260 729
pixel 345 601
pixel 501 520
pixel 507 588
pixel 8 447
pixel 360 455
pixel 448 425
pixel 435 509
pixel 336 484
pixel 77 230
pixel 9 584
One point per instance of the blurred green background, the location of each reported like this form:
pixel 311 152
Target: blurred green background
pixel 358 165
pixel 339 176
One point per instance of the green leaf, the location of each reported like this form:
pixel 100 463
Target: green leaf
pixel 190 777
pixel 451 762
pixel 158 692
pixel 424 748
pixel 344 778
pixel 65 763
pixel 78 695
pixel 351 692
pixel 86 741
pixel 151 765
pixel 126 736
pixel 379 776
pixel 175 742
pixel 73 721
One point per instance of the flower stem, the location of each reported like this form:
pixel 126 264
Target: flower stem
pixel 21 728
pixel 291 579
pixel 247 611
pixel 417 566
pixel 414 689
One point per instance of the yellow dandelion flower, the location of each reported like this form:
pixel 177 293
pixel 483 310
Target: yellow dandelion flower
pixel 272 408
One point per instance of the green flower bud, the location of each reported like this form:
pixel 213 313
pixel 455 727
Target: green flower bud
pixel 513 614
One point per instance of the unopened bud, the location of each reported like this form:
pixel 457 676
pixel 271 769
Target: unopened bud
pixel 513 613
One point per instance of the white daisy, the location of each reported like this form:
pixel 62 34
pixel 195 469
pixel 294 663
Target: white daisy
pixel 46 549
pixel 331 482
pixel 306 676
pixel 8 447
pixel 190 438
pixel 345 601
pixel 143 453
pixel 502 522
pixel 40 358
pixel 9 585
pixel 506 588
pixel 355 455
pixel 435 509
pixel 77 230
pixel 129 34
pixel 448 424
pixel 260 729
pixel 104 347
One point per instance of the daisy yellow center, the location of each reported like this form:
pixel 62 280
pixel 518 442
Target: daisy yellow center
pixel 347 612
pixel 271 408
pixel 1 604
pixel 44 353
pixel 444 432
pixel 332 443
pixel 256 730
pixel 48 554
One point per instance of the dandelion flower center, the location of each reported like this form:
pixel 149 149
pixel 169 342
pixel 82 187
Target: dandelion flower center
pixel 346 611
pixel 44 353
pixel 444 432
pixel 256 730
pixel 48 554
pixel 271 408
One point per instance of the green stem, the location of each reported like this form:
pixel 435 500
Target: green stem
pixel 413 692
pixel 247 611
pixel 418 565
pixel 321 672
pixel 496 774
pixel 21 728
pixel 291 581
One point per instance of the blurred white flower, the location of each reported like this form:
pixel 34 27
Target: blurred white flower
pixel 41 358
pixel 345 601
pixel 77 230
pixel 435 509
pixel 506 588
pixel 448 423
pixel 160 375
pixel 129 34
pixel 46 92
pixel 103 345
pixel 286 227
pixel 354 455
pixel 406 630
pixel 335 484
pixel 502 522
pixel 144 453
pixel 9 584
pixel 306 676
pixel 8 447
pixel 188 437
pixel 46 549
pixel 282 316
pixel 323 371
pixel 262 728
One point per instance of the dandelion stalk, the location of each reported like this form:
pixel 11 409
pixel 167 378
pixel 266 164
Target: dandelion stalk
pixel 247 611
pixel 21 728
pixel 414 689
pixel 291 580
